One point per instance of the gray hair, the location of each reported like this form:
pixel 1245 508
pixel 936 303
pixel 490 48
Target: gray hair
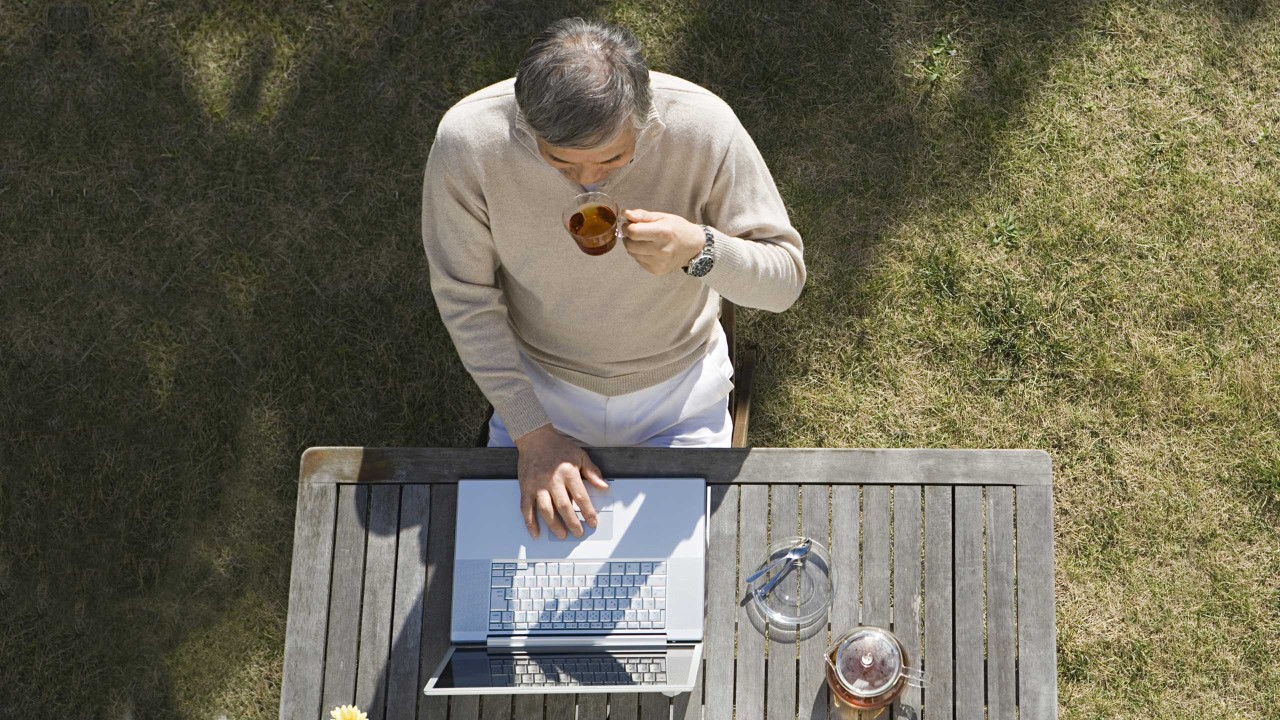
pixel 580 81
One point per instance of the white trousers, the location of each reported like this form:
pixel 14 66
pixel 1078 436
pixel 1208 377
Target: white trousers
pixel 689 410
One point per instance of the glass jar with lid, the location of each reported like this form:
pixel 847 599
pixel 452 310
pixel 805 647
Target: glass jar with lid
pixel 868 668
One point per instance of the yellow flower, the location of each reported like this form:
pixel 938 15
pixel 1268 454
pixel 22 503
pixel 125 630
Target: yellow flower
pixel 347 712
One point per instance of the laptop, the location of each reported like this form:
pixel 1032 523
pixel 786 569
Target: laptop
pixel 618 610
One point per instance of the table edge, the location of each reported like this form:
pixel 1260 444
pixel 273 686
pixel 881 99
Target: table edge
pixel 834 466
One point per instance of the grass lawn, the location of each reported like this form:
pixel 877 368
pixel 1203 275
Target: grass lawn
pixel 1047 225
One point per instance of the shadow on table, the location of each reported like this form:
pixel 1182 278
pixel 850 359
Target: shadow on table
pixel 435 604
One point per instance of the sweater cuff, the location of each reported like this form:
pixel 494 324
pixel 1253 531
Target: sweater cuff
pixel 522 413
pixel 730 255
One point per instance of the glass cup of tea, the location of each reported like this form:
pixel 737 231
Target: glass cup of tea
pixel 595 222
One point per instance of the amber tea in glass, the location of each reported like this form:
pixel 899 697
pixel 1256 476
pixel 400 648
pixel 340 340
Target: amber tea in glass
pixel 592 220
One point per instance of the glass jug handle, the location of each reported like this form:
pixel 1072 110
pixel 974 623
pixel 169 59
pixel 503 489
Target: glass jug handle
pixel 833 653
pixel 915 677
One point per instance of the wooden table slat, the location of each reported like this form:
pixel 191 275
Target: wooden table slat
pixel 780 697
pixel 592 706
pixel 875 555
pixel 906 588
pixel 344 598
pixel 722 599
pixel 411 574
pixel 437 604
pixel 561 706
pixel 718 465
pixel 845 550
pixel 308 601
pixel 1038 664
pixel 654 706
pixel 1001 679
pixel 495 707
pixel 623 706
pixel 749 688
pixel 811 693
pixel 970 670
pixel 846 606
pixel 465 707
pixel 938 591
pixel 375 608
pixel 527 707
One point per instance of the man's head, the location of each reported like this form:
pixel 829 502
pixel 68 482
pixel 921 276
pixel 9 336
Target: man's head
pixel 584 90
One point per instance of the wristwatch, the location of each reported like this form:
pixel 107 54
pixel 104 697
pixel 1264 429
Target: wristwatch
pixel 701 265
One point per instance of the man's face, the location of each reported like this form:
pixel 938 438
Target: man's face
pixel 587 167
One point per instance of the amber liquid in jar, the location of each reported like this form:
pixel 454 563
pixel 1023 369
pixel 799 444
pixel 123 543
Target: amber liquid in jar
pixel 842 694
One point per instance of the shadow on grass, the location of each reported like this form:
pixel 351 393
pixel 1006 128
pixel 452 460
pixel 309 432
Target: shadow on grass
pixel 195 290
pixel 867 115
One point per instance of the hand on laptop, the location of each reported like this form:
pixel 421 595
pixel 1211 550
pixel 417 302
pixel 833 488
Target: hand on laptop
pixel 552 471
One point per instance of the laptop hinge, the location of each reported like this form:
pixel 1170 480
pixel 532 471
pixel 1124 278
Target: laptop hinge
pixel 579 641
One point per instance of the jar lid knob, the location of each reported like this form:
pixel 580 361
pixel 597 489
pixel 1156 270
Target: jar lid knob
pixel 869 661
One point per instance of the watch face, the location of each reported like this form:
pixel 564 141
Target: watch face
pixel 700 266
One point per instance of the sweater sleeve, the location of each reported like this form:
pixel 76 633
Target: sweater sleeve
pixel 759 257
pixel 463 266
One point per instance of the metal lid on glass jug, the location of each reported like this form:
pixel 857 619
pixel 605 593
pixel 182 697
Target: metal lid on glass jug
pixel 869 662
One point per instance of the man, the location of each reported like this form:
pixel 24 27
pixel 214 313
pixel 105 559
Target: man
pixel 621 349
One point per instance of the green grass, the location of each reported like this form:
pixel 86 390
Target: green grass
pixel 1050 225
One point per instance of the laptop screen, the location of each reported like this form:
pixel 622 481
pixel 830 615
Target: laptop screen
pixel 474 668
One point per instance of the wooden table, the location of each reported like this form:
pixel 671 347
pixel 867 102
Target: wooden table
pixel 951 549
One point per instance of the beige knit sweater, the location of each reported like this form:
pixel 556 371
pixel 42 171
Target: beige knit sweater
pixel 507 277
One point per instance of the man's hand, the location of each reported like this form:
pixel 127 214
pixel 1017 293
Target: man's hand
pixel 662 242
pixel 552 470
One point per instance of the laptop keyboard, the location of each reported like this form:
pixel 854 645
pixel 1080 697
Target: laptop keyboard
pixel 578 670
pixel 556 596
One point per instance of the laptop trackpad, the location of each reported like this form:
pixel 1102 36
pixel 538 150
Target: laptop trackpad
pixel 602 531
